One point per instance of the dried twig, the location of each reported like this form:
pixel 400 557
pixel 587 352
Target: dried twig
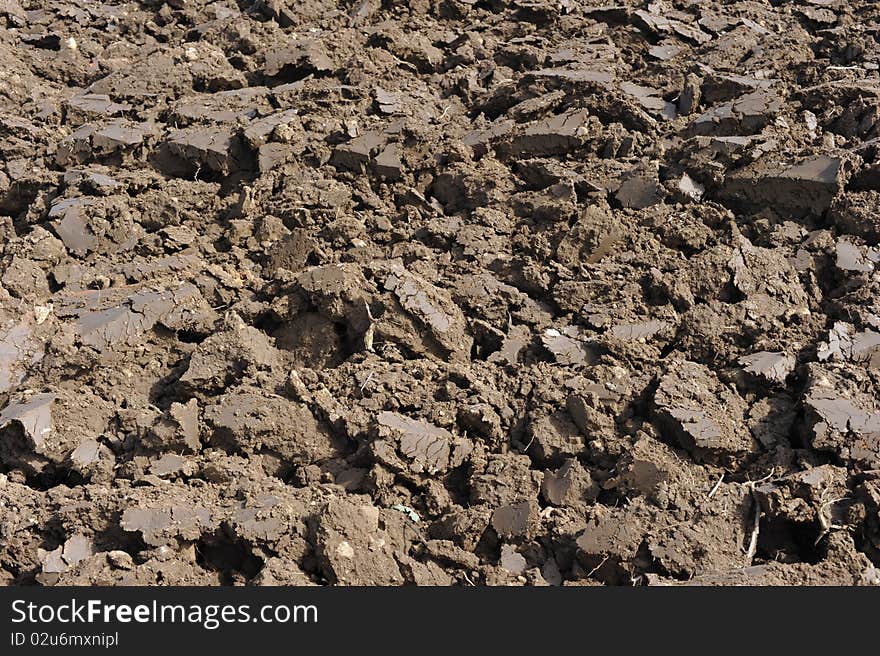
pixel 715 488
pixel 756 526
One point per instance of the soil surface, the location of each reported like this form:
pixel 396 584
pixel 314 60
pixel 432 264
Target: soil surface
pixel 447 292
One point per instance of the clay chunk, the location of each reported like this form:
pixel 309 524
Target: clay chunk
pixel 702 415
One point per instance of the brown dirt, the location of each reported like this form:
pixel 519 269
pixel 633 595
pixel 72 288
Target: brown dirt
pixel 447 292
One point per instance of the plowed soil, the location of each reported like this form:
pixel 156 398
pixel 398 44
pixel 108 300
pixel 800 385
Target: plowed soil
pixel 446 292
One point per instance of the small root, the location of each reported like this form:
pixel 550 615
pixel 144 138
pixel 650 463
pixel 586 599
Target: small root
pixel 715 488
pixel 596 568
